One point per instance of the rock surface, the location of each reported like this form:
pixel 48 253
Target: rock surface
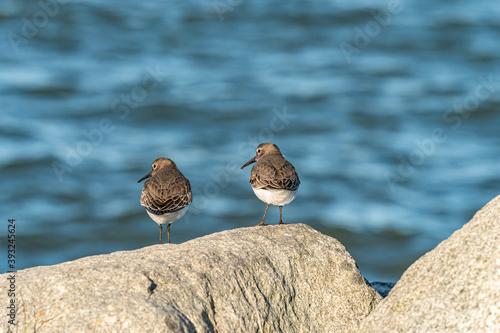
pixel 287 278
pixel 453 288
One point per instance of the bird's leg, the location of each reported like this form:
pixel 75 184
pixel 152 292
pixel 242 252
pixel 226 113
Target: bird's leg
pixel 263 217
pixel 281 214
pixel 168 232
pixel 161 229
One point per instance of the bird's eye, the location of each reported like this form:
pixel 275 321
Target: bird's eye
pixel 154 166
pixel 258 150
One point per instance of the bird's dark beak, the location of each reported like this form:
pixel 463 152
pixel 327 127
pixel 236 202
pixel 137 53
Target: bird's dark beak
pixel 146 176
pixel 253 160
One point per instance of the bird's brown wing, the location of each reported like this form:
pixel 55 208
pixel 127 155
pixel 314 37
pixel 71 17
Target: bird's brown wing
pixel 269 174
pixel 166 195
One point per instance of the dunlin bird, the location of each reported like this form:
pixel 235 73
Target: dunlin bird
pixel 166 194
pixel 274 180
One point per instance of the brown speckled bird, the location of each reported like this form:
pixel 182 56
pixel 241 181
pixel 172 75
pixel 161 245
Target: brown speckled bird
pixel 166 194
pixel 274 180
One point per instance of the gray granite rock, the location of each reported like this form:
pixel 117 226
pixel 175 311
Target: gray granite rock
pixel 453 288
pixel 287 278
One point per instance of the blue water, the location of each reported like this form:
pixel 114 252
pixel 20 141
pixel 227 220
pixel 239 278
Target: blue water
pixel 389 114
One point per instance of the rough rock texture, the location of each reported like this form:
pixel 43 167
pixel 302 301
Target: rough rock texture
pixel 453 288
pixel 287 278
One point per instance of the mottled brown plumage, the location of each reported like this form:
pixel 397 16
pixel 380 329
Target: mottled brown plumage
pixel 273 179
pixel 166 194
pixel 274 172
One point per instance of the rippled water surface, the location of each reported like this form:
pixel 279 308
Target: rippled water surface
pixel 388 110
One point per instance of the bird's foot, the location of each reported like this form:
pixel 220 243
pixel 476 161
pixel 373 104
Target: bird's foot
pixel 260 224
pixel 281 222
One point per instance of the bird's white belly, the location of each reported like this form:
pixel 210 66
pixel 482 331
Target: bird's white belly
pixel 275 197
pixel 168 217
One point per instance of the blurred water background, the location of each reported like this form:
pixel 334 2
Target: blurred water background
pixel 388 110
